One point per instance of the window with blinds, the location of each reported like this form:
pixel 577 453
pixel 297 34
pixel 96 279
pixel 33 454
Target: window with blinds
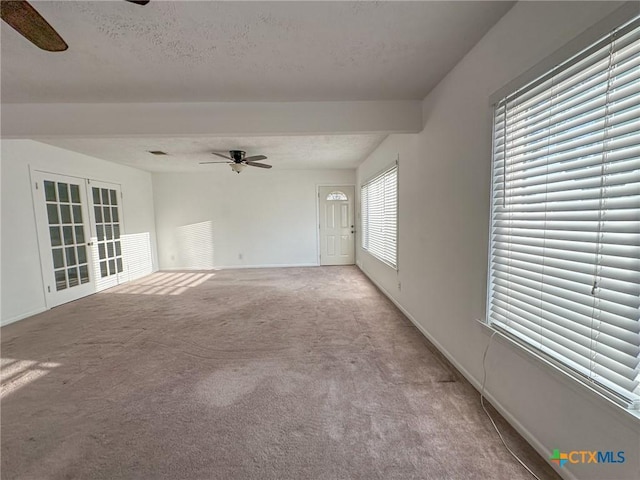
pixel 379 213
pixel 564 275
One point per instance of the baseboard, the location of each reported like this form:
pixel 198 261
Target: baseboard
pixel 522 430
pixel 23 316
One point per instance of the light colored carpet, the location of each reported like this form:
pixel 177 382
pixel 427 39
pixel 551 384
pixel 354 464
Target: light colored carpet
pixel 298 373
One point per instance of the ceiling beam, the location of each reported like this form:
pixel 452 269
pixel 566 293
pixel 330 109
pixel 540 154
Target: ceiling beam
pixel 77 120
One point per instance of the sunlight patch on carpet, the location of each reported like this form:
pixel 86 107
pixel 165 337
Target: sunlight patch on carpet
pixel 162 283
pixel 15 374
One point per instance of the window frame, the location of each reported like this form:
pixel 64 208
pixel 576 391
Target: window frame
pixel 511 91
pixel 364 235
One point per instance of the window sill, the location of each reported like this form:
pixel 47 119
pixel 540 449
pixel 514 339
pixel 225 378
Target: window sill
pixel 383 262
pixel 585 390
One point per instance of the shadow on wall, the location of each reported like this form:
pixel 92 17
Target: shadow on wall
pixel 195 246
pixel 136 249
pixel 128 256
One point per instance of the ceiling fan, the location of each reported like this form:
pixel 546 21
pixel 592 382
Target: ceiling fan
pixel 31 25
pixel 238 160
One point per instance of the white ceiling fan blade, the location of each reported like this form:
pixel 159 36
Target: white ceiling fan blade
pixel 261 165
pixel 255 158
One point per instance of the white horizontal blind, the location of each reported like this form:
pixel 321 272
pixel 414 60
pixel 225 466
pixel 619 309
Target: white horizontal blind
pixel 565 234
pixel 379 212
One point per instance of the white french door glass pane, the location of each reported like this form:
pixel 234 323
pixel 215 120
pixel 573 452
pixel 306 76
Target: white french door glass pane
pixel 107 220
pixel 61 218
pixel 107 230
pixel 69 260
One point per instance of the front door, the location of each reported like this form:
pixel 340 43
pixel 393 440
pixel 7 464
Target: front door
pixel 337 232
pixel 63 236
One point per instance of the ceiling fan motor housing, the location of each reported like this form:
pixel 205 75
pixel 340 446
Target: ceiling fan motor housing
pixel 237 155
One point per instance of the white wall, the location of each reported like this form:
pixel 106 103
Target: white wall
pixel 268 216
pixel 22 287
pixel 443 239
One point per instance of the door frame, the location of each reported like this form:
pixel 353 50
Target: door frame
pixel 318 185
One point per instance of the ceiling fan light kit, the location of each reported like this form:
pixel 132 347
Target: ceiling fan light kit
pixel 237 167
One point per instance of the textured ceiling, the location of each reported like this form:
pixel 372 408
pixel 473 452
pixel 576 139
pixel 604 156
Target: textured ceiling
pixel 243 51
pixel 184 154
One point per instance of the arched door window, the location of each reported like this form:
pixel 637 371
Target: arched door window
pixel 337 195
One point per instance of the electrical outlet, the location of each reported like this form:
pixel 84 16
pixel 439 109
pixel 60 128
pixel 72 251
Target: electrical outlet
pixel 399 285
pixel 239 256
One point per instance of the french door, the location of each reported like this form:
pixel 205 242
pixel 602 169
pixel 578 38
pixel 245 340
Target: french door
pixel 63 235
pixel 79 224
pixel 106 233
